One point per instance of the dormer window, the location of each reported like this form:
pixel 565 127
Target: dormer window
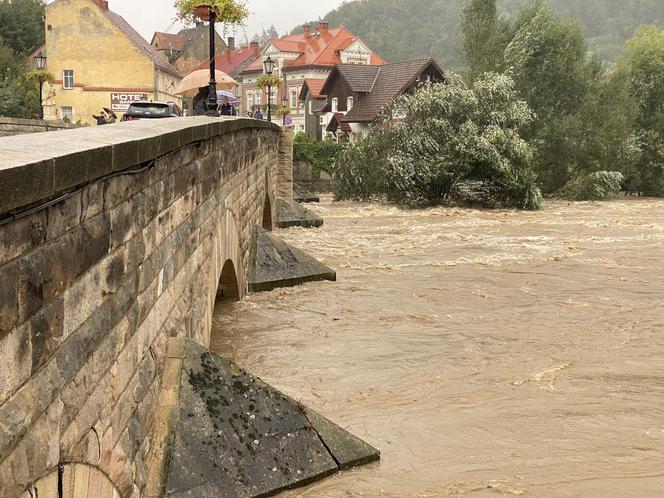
pixel 335 104
pixel 349 103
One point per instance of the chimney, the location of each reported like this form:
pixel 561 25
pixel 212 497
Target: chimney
pixel 256 47
pixel 307 30
pixel 323 27
pixel 102 4
pixel 231 43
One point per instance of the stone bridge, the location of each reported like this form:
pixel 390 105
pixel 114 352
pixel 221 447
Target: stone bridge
pixel 112 240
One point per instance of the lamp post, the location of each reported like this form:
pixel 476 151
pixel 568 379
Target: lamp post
pixel 212 91
pixel 284 105
pixel 268 66
pixel 40 59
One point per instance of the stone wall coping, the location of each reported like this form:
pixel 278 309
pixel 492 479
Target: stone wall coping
pixel 34 122
pixel 37 167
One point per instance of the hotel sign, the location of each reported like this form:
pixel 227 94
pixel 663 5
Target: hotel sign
pixel 120 101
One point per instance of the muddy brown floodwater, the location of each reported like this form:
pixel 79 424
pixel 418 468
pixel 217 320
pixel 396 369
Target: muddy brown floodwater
pixel 484 353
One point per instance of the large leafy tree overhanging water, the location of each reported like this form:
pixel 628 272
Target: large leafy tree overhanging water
pixel 588 118
pixel 446 142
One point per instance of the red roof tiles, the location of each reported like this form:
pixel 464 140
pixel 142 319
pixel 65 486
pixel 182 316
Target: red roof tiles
pixel 231 60
pixel 168 41
pixel 318 49
pixel 314 86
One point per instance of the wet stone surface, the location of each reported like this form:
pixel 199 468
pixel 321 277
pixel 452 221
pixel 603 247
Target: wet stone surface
pixel 276 264
pixel 301 194
pixel 295 215
pixel 239 437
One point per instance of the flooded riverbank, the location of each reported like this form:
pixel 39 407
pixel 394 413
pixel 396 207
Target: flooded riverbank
pixel 485 353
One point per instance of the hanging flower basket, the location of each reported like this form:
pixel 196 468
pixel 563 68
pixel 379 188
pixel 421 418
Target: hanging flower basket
pixel 202 12
pixel 231 12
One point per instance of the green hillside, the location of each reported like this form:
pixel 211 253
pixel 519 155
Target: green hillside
pixel 406 29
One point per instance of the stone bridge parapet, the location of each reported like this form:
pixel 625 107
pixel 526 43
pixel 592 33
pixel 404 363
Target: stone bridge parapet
pixel 112 240
pixel 18 126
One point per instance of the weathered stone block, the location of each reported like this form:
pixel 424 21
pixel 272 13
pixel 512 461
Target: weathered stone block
pixel 16 364
pixel 25 185
pixel 21 235
pixel 8 297
pixel 78 168
pixel 46 332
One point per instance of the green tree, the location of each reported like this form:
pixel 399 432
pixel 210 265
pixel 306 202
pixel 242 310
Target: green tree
pixel 643 65
pixel 19 94
pixel 484 37
pixel 22 25
pixel 548 60
pixel 446 142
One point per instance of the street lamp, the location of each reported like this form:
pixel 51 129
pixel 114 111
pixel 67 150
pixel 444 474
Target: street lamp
pixel 284 105
pixel 268 66
pixel 40 59
pixel 212 91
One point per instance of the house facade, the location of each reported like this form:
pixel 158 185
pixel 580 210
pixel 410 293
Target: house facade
pixel 313 100
pixel 308 56
pixel 357 95
pixel 98 60
pixel 189 48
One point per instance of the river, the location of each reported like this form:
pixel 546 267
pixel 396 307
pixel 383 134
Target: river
pixel 485 353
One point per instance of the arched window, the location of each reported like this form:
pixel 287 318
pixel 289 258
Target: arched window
pixel 335 104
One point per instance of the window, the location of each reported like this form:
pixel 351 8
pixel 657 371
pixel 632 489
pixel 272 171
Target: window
pixel 335 104
pixel 250 101
pixel 68 79
pixel 349 103
pixel 293 98
pixel 258 97
pixel 311 107
pixel 67 114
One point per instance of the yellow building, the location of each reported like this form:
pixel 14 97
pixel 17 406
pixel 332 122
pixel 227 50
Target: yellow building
pixel 98 60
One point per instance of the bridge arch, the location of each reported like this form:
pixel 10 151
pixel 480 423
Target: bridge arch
pixel 228 289
pixel 74 480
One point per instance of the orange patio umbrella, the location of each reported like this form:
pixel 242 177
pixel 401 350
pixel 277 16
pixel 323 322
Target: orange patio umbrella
pixel 197 79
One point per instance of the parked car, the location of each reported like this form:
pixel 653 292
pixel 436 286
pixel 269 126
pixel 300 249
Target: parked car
pixel 151 110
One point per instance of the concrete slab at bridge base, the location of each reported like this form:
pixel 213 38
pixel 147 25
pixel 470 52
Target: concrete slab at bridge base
pixel 275 264
pixel 236 436
pixel 294 215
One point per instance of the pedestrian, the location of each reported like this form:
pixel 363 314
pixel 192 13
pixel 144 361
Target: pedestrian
pixel 226 108
pixel 200 101
pixel 250 114
pixel 109 116
pixel 101 118
pixel 258 114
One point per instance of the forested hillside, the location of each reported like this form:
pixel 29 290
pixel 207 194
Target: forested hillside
pixel 404 29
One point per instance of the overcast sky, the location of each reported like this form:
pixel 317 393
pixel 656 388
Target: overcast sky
pixel 148 16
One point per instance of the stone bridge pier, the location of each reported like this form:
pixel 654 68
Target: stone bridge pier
pixel 112 240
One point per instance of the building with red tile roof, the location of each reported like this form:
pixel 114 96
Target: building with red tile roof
pixel 310 55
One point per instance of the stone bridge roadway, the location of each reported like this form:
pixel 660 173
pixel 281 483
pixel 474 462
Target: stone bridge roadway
pixel 112 240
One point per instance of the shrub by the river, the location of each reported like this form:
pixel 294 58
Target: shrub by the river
pixel 596 186
pixel 321 155
pixel 446 143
